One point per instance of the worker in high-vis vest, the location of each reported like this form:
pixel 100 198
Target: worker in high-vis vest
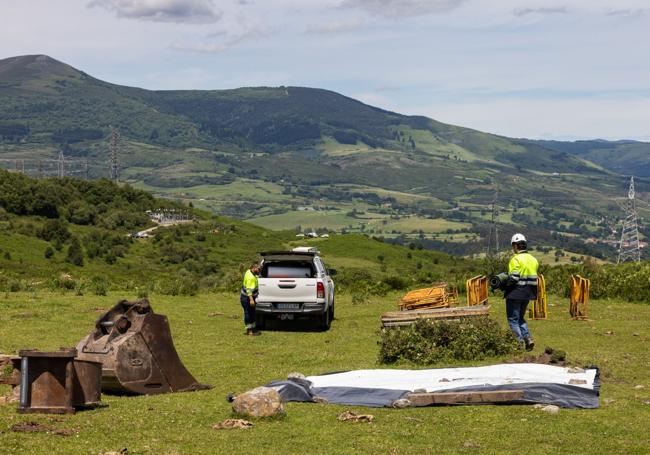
pixel 521 288
pixel 248 297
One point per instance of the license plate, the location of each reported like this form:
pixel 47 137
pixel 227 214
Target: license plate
pixel 288 306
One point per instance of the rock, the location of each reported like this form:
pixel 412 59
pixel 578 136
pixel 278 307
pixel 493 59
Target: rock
pixel 318 399
pixel 551 409
pixel 259 402
pixel 295 375
pixel 636 334
pixel 15 395
pixel 4 400
pixel 639 387
pixel 609 401
pixel 402 403
pixel 576 370
pixel 471 445
pixel 538 406
pixel 232 423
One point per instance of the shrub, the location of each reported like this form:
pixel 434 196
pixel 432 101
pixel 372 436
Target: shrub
pixel 181 285
pixel 64 281
pixel 14 286
pixel 430 342
pixel 49 252
pixel 75 253
pixel 98 285
pixel 54 230
pixel 396 282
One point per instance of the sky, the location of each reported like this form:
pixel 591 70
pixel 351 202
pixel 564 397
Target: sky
pixel 548 69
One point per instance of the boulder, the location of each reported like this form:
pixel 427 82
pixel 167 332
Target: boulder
pixel 259 402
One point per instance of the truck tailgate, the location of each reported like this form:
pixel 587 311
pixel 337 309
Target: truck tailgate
pixel 287 290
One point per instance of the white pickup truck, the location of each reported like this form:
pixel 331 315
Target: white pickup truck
pixel 295 284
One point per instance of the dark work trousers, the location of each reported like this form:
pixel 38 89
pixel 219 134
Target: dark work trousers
pixel 249 311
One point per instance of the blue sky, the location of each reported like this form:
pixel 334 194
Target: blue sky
pixel 565 69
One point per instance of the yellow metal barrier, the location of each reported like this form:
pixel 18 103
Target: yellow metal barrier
pixel 477 290
pixel 539 310
pixel 579 297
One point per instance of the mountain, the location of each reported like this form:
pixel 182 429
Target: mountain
pixel 289 156
pixel 623 157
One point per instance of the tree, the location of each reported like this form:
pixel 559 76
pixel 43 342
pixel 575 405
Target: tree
pixel 75 253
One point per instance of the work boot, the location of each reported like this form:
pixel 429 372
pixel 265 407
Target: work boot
pixel 253 333
pixel 530 344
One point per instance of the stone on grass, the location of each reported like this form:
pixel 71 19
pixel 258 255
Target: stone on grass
pixel 550 408
pixel 259 402
pixel 402 403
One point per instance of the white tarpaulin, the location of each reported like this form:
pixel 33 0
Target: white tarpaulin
pixel 565 387
pixel 452 378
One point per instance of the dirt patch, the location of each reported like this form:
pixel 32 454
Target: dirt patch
pixel 33 427
pixel 349 416
pixel 550 356
pixel 232 424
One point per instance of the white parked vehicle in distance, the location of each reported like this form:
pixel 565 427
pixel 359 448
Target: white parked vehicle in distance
pixel 295 284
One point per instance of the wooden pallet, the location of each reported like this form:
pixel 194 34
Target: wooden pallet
pixel 439 296
pixel 441 398
pixel 405 318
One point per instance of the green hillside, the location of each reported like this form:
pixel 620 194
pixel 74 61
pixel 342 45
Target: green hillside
pixel 275 155
pixel 623 157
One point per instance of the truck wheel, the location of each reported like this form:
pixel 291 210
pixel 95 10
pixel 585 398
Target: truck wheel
pixel 325 320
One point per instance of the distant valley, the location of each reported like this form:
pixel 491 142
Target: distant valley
pixel 301 158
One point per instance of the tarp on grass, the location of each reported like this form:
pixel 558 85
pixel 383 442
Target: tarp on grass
pixel 545 384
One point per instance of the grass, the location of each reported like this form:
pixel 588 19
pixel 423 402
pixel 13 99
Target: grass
pixel 215 351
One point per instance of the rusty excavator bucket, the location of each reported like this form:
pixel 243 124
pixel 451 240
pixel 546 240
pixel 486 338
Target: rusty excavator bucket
pixel 137 353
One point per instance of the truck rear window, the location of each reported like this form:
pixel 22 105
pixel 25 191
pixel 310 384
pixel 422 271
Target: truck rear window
pixel 288 270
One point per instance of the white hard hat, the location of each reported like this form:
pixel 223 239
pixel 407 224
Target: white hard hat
pixel 518 238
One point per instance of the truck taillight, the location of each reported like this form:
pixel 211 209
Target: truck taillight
pixel 320 290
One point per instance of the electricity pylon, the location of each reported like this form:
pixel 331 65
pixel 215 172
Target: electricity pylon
pixel 494 229
pixel 628 249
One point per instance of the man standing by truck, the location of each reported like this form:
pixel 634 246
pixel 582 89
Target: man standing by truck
pixel 521 289
pixel 248 298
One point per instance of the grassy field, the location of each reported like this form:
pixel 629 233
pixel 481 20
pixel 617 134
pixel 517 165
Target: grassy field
pixel 215 351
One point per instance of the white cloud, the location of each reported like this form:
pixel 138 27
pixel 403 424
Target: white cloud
pixel 336 27
pixel 218 42
pixel 403 8
pixel 180 11
pixel 541 10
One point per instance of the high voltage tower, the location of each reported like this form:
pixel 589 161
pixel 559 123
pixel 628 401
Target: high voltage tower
pixel 629 247
pixel 115 169
pixel 59 167
pixel 494 229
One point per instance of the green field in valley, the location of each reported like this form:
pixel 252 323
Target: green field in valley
pixel 208 334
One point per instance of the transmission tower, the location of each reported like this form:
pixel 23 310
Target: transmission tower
pixel 115 170
pixel 494 229
pixel 61 166
pixel 628 249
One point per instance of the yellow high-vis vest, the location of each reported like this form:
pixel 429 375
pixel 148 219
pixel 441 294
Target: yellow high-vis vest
pixel 523 276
